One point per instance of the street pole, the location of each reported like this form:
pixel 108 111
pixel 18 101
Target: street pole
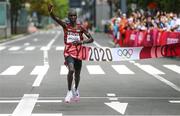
pixel 123 6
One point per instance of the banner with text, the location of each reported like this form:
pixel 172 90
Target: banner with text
pixel 126 53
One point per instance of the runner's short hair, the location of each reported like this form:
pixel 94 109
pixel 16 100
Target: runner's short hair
pixel 72 11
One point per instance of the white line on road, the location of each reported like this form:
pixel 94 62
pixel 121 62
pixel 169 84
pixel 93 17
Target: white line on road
pixel 45 50
pixel 117 106
pixel 98 45
pixel 26 44
pixel 12 70
pixel 63 70
pixel 95 69
pixel 175 101
pixel 45 55
pixel 41 72
pixel 150 69
pixel 60 48
pixel 154 72
pixel 35 39
pixel 122 69
pixel 174 68
pixel 113 98
pixel 111 94
pixel 177 88
pixel 48 46
pixel 26 105
pixel 2 48
pixel 30 48
pixel 38 101
pixel 55 114
pixel 94 97
pixel 15 48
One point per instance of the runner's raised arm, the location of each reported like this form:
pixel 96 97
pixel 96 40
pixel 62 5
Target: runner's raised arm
pixel 57 19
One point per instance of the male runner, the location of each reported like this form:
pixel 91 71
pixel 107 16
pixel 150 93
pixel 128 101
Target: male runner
pixel 73 37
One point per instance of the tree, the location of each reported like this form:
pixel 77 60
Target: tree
pixel 16 5
pixel 40 6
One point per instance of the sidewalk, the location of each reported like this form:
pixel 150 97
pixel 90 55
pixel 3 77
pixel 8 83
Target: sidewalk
pixel 13 37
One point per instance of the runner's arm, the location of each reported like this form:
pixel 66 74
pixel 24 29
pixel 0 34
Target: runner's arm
pixel 89 37
pixel 59 21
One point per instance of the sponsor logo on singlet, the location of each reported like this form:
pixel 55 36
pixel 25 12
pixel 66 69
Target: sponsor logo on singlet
pixel 72 36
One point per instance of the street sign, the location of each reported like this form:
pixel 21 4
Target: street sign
pixel 3 15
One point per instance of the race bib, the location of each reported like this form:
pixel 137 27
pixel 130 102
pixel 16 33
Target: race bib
pixel 71 37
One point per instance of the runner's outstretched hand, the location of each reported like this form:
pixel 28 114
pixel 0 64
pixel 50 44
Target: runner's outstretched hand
pixel 77 43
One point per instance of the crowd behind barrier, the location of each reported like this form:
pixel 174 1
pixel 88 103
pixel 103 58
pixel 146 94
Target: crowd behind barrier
pixel 145 29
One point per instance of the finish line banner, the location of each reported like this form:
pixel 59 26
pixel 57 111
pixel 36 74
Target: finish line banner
pixel 126 53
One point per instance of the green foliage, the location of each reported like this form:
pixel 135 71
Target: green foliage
pixel 40 6
pixel 61 7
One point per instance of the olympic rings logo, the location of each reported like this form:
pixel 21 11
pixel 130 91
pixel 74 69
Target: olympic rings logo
pixel 125 53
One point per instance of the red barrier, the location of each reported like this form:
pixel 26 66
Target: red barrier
pixel 148 40
pixel 160 51
pixel 155 34
pixel 130 38
pixel 141 35
pixel 170 38
pixel 154 37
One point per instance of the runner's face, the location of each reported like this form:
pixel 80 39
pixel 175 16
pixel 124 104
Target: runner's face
pixel 72 16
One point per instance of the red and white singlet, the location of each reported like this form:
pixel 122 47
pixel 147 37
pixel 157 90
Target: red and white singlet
pixel 72 34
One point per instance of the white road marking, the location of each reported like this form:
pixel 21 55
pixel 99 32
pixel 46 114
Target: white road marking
pixel 150 69
pixel 122 69
pixel 14 48
pixel 44 48
pixel 98 45
pixel 40 71
pixel 63 70
pixel 30 48
pixel 12 70
pixel 58 114
pixel 35 39
pixel 117 106
pixel 95 69
pixel 26 44
pixel 154 72
pixel 45 57
pixel 111 94
pixel 2 48
pixel 113 98
pixel 177 88
pixel 38 101
pixel 99 97
pixel 60 48
pixel 175 101
pixel 26 105
pixel 55 114
pixel 174 68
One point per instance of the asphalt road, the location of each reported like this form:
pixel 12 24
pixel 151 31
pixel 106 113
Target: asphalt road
pixel 33 81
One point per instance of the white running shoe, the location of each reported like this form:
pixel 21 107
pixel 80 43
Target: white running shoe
pixel 76 95
pixel 68 97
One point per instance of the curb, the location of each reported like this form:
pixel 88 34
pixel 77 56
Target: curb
pixel 13 38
